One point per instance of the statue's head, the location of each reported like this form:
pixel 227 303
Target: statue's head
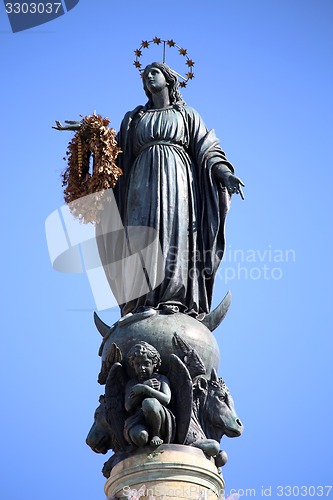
pixel 171 80
pixel 144 359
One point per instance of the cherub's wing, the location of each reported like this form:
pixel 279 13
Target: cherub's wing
pixel 181 396
pixel 113 357
pixel 114 403
pixel 190 357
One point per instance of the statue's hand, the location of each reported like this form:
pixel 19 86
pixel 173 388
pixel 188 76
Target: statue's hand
pixel 153 383
pixel 137 390
pixel 72 125
pixel 233 184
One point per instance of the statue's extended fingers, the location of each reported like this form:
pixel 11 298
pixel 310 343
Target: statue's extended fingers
pixel 58 123
pixel 241 183
pixel 241 193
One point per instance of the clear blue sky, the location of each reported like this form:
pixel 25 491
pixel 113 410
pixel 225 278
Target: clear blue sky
pixel 263 80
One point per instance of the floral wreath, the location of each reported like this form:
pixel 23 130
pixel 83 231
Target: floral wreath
pixel 170 43
pixel 93 140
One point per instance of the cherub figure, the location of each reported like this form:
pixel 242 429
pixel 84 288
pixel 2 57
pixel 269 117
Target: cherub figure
pixel 147 396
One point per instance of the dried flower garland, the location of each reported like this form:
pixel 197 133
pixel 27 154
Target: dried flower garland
pixel 84 191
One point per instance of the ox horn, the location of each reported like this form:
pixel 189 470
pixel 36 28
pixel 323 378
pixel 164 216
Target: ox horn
pixel 213 319
pixel 102 327
pixel 213 376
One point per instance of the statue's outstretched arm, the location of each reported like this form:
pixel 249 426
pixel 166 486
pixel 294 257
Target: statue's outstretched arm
pixel 72 125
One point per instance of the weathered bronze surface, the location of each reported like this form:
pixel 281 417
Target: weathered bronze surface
pixel 160 359
pixel 139 411
pixel 177 180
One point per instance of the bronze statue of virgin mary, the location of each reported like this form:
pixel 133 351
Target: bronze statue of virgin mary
pixel 176 182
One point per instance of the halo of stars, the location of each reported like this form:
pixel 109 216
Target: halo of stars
pixel 166 43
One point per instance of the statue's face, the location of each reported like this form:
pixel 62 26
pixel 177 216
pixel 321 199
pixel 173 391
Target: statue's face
pixel 143 367
pixel 154 79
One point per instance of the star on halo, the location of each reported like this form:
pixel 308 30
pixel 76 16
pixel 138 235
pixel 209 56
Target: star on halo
pixel 166 43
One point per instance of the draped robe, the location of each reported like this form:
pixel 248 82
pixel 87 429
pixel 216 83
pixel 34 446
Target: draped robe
pixel 167 194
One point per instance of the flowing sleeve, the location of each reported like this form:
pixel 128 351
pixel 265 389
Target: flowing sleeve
pixel 204 146
pixel 205 151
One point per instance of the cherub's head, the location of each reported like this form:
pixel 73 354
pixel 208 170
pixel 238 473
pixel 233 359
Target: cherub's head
pixel 144 359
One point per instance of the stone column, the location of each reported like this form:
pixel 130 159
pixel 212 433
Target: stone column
pixel 169 472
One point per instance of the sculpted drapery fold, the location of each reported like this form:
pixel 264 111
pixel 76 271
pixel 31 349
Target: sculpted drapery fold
pixel 167 185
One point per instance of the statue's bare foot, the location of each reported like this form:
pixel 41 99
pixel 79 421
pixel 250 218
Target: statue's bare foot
pixel 156 441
